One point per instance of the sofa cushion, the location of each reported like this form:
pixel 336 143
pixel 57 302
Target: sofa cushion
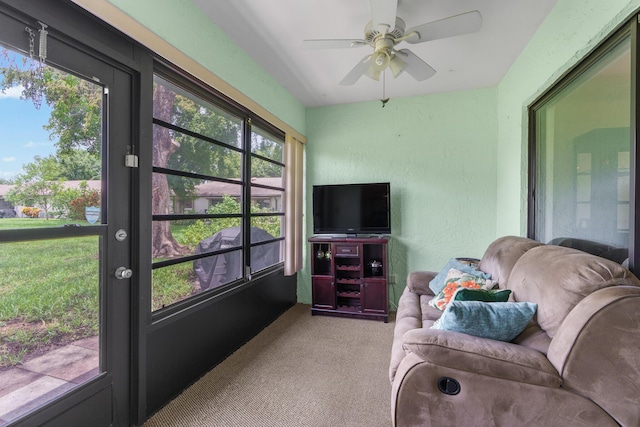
pixel 557 278
pixel 429 314
pixel 438 283
pixel 455 280
pixel 497 359
pixel 501 321
pixel 502 254
pixel 533 337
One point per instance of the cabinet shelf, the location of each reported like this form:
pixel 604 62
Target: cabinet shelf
pixel 348 294
pixel 354 282
pixel 348 281
pixel 348 267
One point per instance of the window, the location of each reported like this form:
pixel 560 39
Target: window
pixel 218 191
pixel 580 163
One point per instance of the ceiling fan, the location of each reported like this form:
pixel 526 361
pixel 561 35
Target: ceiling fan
pixel 386 30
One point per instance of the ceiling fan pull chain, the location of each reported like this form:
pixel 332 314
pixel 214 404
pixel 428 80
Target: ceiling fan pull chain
pixel 384 99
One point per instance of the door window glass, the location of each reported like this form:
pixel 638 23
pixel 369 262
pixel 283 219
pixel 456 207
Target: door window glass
pixel 50 275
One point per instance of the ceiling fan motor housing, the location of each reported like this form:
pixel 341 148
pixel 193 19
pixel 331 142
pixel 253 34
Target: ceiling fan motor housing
pixel 371 34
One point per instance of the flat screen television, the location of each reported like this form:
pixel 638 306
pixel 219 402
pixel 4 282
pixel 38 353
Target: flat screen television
pixel 352 209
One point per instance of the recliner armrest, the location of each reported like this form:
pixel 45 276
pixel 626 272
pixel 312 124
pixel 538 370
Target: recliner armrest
pixel 596 351
pixel 418 282
pixel 482 356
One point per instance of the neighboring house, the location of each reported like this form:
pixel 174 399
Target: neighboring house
pixel 206 195
pixel 211 193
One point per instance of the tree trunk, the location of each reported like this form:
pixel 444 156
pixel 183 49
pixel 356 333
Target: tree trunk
pixel 164 245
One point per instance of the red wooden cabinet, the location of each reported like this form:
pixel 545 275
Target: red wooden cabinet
pixel 349 277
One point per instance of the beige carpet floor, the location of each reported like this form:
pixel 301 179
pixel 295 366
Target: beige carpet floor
pixel 300 371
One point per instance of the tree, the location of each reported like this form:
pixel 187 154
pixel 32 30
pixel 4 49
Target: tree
pixel 76 115
pixel 179 151
pixel 78 165
pixel 270 149
pixel 36 185
pixel 164 245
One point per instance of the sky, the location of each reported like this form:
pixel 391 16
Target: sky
pixel 21 131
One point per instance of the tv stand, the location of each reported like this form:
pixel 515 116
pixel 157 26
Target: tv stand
pixel 349 277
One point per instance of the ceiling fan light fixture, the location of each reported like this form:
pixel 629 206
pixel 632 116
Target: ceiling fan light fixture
pixel 396 65
pixel 373 73
pixel 380 59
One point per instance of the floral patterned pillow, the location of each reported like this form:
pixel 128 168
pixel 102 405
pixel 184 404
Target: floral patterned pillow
pixel 457 279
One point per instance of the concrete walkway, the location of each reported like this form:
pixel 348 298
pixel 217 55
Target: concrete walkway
pixel 43 378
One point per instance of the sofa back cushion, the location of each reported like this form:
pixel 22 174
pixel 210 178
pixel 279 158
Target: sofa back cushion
pixel 557 278
pixel 502 254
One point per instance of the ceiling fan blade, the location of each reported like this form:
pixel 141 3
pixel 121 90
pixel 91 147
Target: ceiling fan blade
pixel 383 12
pixel 332 43
pixel 457 25
pixel 357 71
pixel 416 67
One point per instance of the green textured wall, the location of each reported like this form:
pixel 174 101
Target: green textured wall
pixel 568 34
pixel 184 26
pixel 438 152
pixel 457 162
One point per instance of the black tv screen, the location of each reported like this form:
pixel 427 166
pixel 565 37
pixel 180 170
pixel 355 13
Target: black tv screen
pixel 352 209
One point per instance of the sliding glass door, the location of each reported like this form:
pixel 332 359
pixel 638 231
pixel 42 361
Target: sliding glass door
pixel 581 162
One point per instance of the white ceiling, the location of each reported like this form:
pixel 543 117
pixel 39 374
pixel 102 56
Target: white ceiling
pixel 271 31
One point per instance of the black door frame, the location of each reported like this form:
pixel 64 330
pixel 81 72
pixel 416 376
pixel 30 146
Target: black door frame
pixel 106 399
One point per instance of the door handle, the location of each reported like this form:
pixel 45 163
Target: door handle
pixel 123 273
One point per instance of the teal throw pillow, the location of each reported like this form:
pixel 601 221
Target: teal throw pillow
pixel 486 295
pixel 438 282
pixel 501 321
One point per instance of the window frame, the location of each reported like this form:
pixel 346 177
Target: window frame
pixel 628 29
pixel 197 88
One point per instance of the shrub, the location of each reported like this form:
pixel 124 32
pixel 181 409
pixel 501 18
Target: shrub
pixel 202 229
pixel 31 212
pixel 77 205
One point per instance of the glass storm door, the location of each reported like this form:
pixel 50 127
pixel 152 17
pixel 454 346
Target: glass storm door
pixel 65 128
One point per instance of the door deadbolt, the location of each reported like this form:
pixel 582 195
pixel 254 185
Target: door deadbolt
pixel 121 235
pixel 123 273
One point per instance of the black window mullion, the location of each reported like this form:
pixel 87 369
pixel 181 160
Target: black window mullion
pixel 634 172
pixel 177 217
pixel 246 205
pixel 175 172
pixel 266 159
pixel 196 135
pixel 66 231
pixel 266 214
pixel 174 261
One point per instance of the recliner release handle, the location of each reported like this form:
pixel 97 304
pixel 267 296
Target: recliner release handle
pixel 449 386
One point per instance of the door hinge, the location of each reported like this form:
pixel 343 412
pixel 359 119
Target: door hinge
pixel 131 161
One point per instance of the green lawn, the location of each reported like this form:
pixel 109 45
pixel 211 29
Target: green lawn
pixel 49 290
pixel 48 293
